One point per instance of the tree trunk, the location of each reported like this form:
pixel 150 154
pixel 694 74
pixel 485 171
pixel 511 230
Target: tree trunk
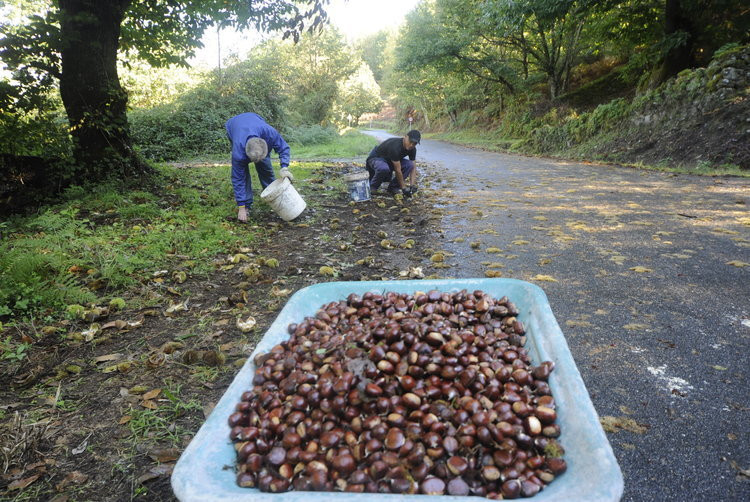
pixel 90 89
pixel 680 57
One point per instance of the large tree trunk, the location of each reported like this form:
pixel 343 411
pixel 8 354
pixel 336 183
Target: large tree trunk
pixel 90 89
pixel 681 57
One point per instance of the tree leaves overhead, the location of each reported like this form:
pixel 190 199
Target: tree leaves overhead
pixel 166 32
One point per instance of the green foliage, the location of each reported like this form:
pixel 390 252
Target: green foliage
pixel 374 51
pixel 349 144
pixel 312 71
pixel 299 89
pixel 32 282
pixel 306 135
pixel 193 124
pixel 159 32
pixel 102 241
pixel 360 94
pixel 159 424
pixel 13 351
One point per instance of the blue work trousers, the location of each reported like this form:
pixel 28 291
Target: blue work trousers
pixel 241 175
pixel 381 171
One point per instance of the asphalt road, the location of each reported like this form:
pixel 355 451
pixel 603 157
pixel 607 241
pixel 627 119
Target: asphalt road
pixel 648 275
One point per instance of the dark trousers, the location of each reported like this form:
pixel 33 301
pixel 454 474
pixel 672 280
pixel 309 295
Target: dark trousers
pixel 381 171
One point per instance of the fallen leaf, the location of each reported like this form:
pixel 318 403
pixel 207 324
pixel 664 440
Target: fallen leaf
pixel 278 292
pixel 176 307
pixel 641 270
pixel 737 263
pixel 719 368
pixel 149 404
pixel 742 473
pixel 493 250
pixel 125 419
pixel 154 472
pixel 493 273
pixel 108 357
pixel 575 323
pixel 544 278
pixel 164 455
pixel 519 242
pixel 151 394
pixel 636 327
pixel 20 484
pixel 616 424
pixel 90 333
pixel 75 478
pixel 437 258
pixel 119 324
pixel 170 347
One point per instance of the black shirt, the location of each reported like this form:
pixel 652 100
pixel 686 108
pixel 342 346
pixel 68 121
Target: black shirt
pixel 392 150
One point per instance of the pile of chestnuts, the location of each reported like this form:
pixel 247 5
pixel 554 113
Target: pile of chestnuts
pixel 428 393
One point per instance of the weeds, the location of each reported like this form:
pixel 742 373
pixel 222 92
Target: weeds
pixel 20 442
pixel 13 352
pixel 103 243
pixel 159 424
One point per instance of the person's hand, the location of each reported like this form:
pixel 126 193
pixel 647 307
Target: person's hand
pixel 242 214
pixel 413 189
pixel 286 173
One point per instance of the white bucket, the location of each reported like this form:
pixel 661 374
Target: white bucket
pixel 284 199
pixel 358 185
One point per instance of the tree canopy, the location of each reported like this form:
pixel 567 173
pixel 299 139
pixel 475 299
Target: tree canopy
pixel 76 44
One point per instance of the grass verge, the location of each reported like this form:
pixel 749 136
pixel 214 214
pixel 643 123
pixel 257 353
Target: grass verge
pixel 349 144
pixel 487 140
pixel 116 249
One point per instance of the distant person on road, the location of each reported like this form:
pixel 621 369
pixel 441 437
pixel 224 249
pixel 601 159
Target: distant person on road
pixel 389 158
pixel 252 141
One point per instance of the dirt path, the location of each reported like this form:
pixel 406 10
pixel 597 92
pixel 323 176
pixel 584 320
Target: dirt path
pixel 648 275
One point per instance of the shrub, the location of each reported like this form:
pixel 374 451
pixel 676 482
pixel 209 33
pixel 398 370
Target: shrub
pixel 306 135
pixel 193 124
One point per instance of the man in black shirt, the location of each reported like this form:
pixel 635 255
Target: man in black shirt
pixel 390 157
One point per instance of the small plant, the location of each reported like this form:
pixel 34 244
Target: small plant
pixel 159 424
pixel 14 352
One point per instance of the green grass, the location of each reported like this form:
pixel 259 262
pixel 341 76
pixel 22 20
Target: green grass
pixel 485 139
pixel 159 424
pixel 102 242
pixel 349 144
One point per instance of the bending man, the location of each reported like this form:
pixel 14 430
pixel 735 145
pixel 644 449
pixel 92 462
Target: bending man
pixel 389 158
pixel 252 141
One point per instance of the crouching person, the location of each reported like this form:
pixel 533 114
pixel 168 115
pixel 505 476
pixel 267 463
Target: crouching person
pixel 394 158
